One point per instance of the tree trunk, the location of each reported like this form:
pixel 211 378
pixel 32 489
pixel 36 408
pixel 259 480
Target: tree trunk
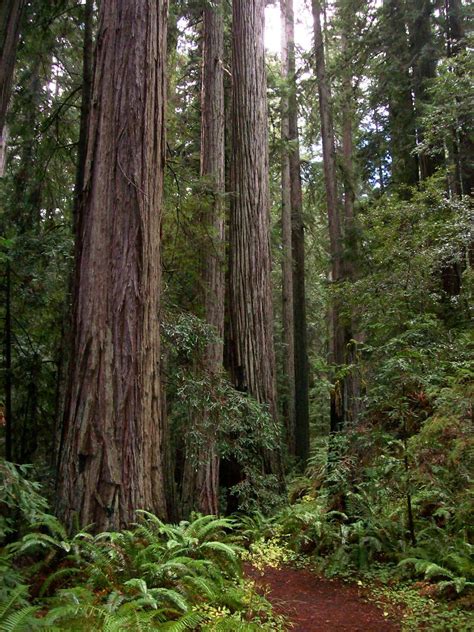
pixel 399 95
pixel 334 219
pixel 201 479
pixel 87 79
pixel 10 18
pixel 250 292
pixel 287 251
pixel 424 58
pixel 352 379
pixel 298 249
pixel 111 462
pixel 8 366
pixel 66 331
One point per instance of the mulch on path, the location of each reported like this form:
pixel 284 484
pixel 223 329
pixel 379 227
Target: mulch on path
pixel 316 604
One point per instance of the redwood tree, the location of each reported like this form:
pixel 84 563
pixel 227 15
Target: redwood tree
pixel 287 250
pixel 201 478
pixel 292 176
pixel 250 292
pixel 111 455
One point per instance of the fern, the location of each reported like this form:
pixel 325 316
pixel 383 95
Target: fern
pixel 20 621
pixel 189 621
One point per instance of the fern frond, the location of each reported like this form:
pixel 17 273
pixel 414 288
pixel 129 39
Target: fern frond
pixel 20 621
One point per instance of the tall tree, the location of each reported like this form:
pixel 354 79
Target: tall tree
pixel 201 479
pixel 287 250
pixel 87 79
pixel 334 216
pixel 10 18
pixel 351 379
pixel 300 336
pixel 112 454
pixel 250 293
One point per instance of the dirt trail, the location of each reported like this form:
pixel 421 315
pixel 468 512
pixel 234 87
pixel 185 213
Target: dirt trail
pixel 315 604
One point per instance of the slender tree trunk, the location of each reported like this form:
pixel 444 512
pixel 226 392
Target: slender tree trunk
pixel 111 462
pixel 250 292
pixel 201 479
pixel 298 246
pixel 66 331
pixel 352 379
pixel 10 18
pixel 87 79
pixel 287 254
pixel 334 219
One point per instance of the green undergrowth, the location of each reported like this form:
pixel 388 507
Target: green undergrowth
pixel 389 503
pixel 153 576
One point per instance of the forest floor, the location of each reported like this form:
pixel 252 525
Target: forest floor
pixel 315 604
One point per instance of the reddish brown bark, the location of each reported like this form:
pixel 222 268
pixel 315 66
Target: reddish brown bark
pixel 250 292
pixel 112 457
pixel 298 246
pixel 201 478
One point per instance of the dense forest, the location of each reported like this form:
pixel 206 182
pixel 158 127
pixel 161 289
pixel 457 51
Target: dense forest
pixel 236 273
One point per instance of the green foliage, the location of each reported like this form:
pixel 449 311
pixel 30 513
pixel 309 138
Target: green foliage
pixel 243 428
pixel 20 500
pixel 155 576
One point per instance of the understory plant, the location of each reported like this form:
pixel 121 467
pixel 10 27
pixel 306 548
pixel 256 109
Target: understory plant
pixel 153 576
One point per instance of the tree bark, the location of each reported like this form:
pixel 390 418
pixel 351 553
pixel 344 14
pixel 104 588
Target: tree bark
pixel 87 79
pixel 201 479
pixel 8 367
pixel 334 217
pixel 66 331
pixel 287 250
pixel 111 462
pixel 301 364
pixel 10 18
pixel 250 292
pixel 352 379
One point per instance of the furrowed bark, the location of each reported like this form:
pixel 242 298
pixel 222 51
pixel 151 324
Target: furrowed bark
pixel 111 461
pixel 201 479
pixel 250 295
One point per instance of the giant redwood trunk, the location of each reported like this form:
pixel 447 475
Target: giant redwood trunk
pixel 111 454
pixel 250 292
pixel 10 17
pixel 201 470
pixel 338 341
